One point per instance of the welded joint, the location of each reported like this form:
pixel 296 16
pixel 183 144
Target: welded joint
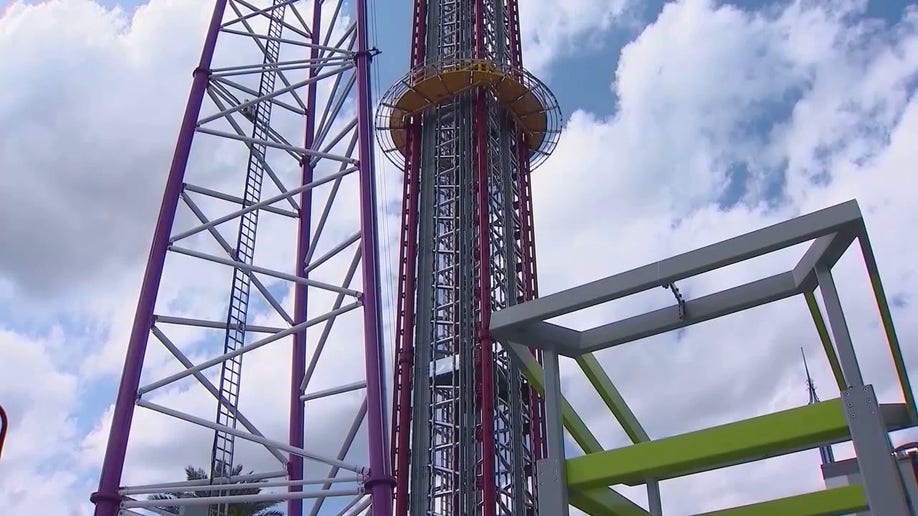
pixel 552 488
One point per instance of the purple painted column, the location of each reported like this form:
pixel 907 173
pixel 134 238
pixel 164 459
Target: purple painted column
pixel 107 499
pixel 301 291
pixel 380 482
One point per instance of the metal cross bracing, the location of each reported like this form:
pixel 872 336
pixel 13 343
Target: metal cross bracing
pixel 231 371
pixel 856 415
pixel 276 141
pixel 466 124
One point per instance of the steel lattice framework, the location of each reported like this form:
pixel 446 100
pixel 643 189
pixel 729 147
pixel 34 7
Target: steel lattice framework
pixel 466 124
pixel 279 114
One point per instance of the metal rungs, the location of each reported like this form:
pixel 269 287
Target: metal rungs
pixel 231 370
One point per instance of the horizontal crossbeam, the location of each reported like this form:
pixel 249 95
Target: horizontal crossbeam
pixel 744 441
pixel 604 502
pixel 240 499
pixel 692 263
pixel 737 299
pixel 829 502
pixel 612 500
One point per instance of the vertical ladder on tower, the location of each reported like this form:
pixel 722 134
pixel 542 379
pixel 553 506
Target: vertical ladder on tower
pixel 259 113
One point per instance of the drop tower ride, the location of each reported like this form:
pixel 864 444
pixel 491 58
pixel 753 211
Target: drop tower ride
pixel 467 125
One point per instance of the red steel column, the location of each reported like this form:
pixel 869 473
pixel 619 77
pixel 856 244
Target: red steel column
pixel 297 422
pixel 404 337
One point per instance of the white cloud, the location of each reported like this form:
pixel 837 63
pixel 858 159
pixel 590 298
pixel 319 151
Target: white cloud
pixel 39 397
pixel 694 91
pixel 551 30
pixel 819 111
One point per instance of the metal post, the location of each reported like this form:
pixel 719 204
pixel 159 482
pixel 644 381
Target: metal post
pixel 823 332
pixel 879 472
pixel 107 499
pixel 839 326
pixel 552 486
pixel 297 423
pixel 380 482
pixel 655 503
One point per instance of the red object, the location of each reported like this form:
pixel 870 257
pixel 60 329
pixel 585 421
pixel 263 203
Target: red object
pixel 404 335
pixel 5 423
pixel 483 490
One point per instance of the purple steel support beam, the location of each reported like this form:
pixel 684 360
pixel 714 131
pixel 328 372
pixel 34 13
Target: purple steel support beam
pixel 297 423
pixel 107 499
pixel 380 482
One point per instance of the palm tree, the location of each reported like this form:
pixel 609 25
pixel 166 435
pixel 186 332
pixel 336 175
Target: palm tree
pixel 234 509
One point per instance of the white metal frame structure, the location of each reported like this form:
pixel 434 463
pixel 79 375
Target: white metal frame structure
pixel 830 233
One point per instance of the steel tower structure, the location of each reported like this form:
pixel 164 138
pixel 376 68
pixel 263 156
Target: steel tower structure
pixel 277 133
pixel 466 125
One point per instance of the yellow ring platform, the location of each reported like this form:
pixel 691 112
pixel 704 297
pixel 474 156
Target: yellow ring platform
pixel 525 98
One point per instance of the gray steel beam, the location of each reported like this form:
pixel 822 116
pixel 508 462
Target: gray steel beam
pixel 825 250
pixel 839 326
pixel 705 308
pixel 654 500
pixel 543 335
pixel 552 486
pixel 879 473
pixel 699 261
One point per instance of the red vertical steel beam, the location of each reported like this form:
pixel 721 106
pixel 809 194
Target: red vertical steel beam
pixel 404 359
pixel 404 337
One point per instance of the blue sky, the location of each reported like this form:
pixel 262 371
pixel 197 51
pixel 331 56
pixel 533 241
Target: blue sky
pixel 684 124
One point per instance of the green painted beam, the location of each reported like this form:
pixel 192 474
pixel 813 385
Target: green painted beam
pixel 735 443
pixel 601 500
pixel 571 420
pixel 829 502
pixel 889 328
pixel 613 399
pixel 826 340
pixel 604 502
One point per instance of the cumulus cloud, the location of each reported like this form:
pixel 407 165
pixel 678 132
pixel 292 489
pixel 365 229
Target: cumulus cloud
pixel 727 120
pixel 813 105
pixel 550 30
pixel 87 112
pixel 39 398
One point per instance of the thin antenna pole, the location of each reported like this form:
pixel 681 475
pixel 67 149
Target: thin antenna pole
pixel 811 387
pixel 825 452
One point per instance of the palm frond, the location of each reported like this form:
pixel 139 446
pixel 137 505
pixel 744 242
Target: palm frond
pixel 235 509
